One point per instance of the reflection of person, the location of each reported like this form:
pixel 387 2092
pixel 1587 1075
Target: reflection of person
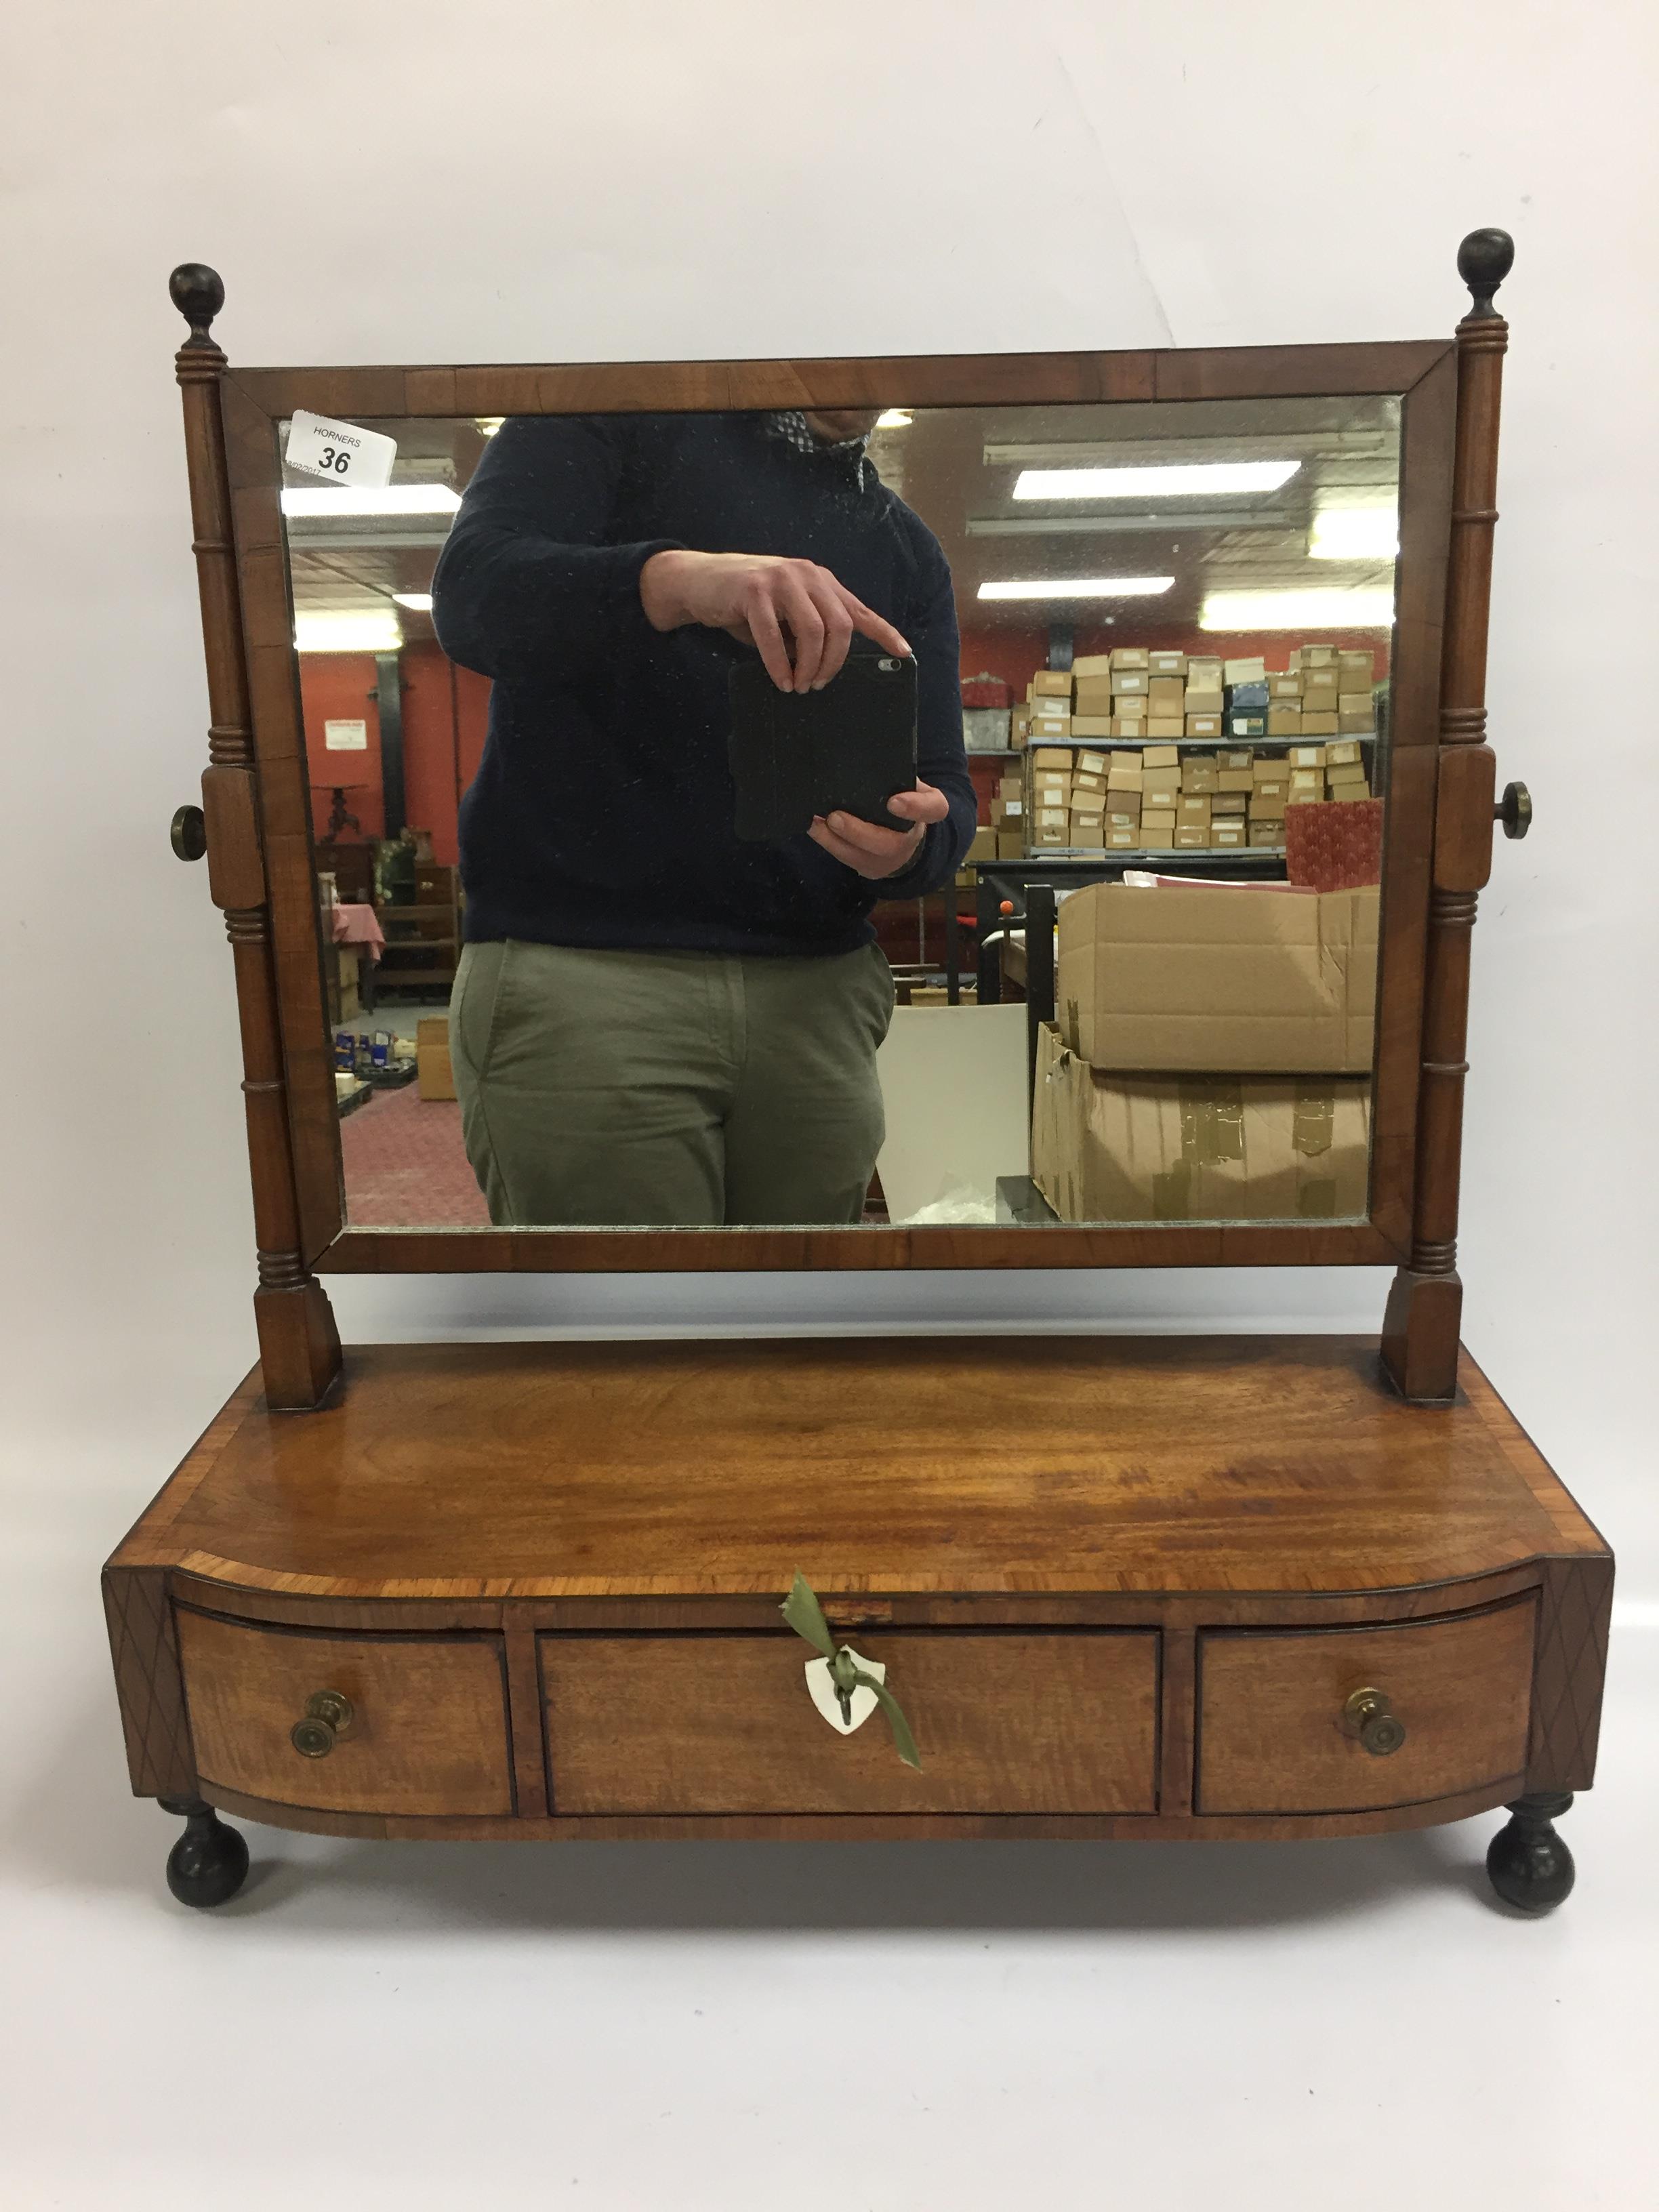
pixel 655 1022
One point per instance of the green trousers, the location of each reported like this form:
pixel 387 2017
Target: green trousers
pixel 683 1089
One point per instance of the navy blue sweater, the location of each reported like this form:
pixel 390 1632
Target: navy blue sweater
pixel 602 812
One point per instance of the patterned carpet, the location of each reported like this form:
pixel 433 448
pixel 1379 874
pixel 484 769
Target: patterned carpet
pixel 405 1166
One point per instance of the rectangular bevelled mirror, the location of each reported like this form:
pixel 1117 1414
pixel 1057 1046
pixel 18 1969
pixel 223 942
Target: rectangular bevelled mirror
pixel 973 828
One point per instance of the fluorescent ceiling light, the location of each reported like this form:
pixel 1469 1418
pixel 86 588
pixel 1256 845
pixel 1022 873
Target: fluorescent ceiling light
pixel 419 601
pixel 1297 611
pixel 373 632
pixel 1177 481
pixel 390 499
pixel 896 418
pixel 1080 587
pixel 1354 533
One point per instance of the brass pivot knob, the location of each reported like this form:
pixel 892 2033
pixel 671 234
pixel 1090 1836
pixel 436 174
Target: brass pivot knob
pixel 1514 810
pixel 188 832
pixel 327 1716
pixel 1366 1714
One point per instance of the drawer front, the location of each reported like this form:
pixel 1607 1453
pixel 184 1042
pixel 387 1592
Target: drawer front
pixel 1271 1736
pixel 428 1727
pixel 1004 1723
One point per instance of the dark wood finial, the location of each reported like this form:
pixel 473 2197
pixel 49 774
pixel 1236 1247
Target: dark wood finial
pixel 198 293
pixel 1484 260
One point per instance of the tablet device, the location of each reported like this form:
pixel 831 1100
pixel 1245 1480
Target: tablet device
pixel 847 748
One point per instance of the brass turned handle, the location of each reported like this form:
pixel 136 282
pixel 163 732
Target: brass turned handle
pixel 1367 1715
pixel 1514 810
pixel 189 833
pixel 327 1715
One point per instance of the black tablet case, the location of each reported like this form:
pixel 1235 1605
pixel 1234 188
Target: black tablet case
pixel 849 747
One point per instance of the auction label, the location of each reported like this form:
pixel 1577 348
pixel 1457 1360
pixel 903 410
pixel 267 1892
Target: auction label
pixel 338 450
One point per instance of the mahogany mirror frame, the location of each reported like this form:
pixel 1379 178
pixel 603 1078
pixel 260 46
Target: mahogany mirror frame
pixel 256 804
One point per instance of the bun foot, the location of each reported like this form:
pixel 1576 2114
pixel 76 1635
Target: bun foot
pixel 209 1863
pixel 1527 1863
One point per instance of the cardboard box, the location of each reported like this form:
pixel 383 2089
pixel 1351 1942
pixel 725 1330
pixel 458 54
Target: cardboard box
pixel 1268 798
pixel 1093 696
pixel 1203 672
pixel 1166 694
pixel 1051 683
pixel 1121 840
pixel 1354 703
pixel 1126 773
pixel 1287 686
pixel 1307 779
pixel 1357 666
pixel 1091 726
pixel 1267 830
pixel 1253 697
pixel 1236 779
pixel 1193 806
pixel 1157 817
pixel 1166 725
pixel 1130 683
pixel 1254 725
pixel 1157 834
pixel 1160 792
pixel 1320 689
pixel 1306 798
pixel 1236 756
pixel 1320 726
pixel 1285 721
pixel 1051 818
pixel 1006 810
pixel 1347 781
pixel 1191 836
pixel 1161 663
pixel 984 847
pixel 1129 725
pixel 1092 664
pixel 1318 656
pixel 1228 802
pixel 1088 836
pixel 1129 657
pixel 1060 756
pixel 1253 670
pixel 1208 698
pixel 433 1077
pixel 1342 754
pixel 1199 774
pixel 1122 818
pixel 1251 980
pixel 1306 757
pixel 1011 844
pixel 1231 833
pixel 1047 727
pixel 1049 840
pixel 1356 722
pixel 1161 756
pixel 1203 725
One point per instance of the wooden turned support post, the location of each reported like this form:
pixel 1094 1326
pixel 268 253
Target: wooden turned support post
pixel 1421 1327
pixel 299 1344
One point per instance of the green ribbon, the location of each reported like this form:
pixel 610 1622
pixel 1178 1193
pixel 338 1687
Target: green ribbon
pixel 805 1616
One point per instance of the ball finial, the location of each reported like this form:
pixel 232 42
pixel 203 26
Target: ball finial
pixel 198 293
pixel 1484 260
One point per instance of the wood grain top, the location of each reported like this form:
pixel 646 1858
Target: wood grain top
pixel 1017 1465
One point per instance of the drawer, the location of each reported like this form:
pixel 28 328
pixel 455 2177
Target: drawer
pixel 1272 1736
pixel 1009 1722
pixel 428 1727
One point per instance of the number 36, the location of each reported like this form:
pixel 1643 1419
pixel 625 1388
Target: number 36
pixel 338 462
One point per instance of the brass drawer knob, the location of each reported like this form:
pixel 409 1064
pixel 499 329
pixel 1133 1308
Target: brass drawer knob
pixel 1366 1714
pixel 327 1716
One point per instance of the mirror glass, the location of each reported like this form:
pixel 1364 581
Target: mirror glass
pixel 683 785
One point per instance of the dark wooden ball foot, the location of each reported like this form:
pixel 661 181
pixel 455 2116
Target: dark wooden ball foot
pixel 1527 1863
pixel 209 1863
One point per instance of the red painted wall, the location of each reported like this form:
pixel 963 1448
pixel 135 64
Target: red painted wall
pixel 444 731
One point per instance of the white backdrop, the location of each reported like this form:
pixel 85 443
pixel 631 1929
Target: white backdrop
pixel 631 179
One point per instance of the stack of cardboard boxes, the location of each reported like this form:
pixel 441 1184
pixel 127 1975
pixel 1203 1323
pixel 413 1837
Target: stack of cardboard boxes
pixel 1166 795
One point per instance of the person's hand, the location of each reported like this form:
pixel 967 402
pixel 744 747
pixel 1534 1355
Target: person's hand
pixel 757 598
pixel 872 851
